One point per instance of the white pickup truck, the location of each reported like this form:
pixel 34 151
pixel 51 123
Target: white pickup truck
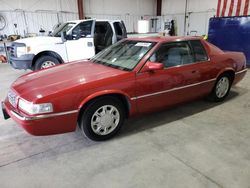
pixel 73 40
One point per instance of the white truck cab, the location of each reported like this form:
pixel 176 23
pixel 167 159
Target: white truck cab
pixel 73 40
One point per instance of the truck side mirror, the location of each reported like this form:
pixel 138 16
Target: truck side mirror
pixel 64 36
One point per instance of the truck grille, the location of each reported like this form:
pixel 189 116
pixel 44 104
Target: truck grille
pixel 12 98
pixel 11 51
pixel 13 48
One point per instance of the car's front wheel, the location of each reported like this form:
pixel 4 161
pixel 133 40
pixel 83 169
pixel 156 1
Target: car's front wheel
pixel 102 118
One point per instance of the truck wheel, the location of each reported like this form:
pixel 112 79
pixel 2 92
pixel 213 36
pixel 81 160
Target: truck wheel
pixel 44 62
pixel 102 119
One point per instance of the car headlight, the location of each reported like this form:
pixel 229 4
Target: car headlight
pixel 35 108
pixel 22 50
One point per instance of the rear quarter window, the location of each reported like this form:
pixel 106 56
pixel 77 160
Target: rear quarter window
pixel 200 53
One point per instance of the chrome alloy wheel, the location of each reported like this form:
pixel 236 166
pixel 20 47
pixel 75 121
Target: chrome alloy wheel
pixel 47 64
pixel 222 87
pixel 105 120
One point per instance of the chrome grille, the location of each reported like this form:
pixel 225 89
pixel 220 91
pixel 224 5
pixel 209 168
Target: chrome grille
pixel 12 50
pixel 12 98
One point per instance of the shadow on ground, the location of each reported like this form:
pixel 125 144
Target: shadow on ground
pixel 23 146
pixel 161 118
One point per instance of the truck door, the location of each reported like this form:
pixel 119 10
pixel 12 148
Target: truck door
pixel 120 30
pixel 80 44
pixel 103 35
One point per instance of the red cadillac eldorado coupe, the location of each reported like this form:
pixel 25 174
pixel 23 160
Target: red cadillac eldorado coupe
pixel 134 76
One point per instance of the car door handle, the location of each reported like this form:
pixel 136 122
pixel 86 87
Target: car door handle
pixel 194 71
pixel 90 44
pixel 59 43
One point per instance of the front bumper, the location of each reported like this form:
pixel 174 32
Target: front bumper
pixel 5 114
pixel 40 125
pixel 22 62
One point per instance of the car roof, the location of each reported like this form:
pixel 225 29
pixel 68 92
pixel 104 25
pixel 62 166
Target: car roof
pixel 164 38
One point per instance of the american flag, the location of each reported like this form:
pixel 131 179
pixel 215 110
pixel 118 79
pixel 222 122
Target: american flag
pixel 233 8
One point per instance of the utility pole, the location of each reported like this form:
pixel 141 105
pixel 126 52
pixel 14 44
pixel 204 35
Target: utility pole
pixel 185 18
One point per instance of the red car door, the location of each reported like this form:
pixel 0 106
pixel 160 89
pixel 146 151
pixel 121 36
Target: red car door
pixel 206 69
pixel 178 82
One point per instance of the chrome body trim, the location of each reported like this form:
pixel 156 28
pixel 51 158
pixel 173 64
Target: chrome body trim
pixel 239 72
pixel 27 118
pixel 174 89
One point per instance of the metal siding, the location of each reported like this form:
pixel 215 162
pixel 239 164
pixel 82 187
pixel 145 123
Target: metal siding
pixel 35 21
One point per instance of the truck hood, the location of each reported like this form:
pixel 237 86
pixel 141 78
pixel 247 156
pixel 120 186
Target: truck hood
pixel 60 78
pixel 39 40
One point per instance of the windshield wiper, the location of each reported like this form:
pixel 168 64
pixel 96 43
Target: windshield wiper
pixel 124 68
pixel 110 65
pixel 98 61
pixel 118 67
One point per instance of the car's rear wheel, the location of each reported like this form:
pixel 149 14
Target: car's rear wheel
pixel 102 118
pixel 221 89
pixel 46 61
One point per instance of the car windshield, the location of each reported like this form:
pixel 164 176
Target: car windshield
pixel 63 27
pixel 123 55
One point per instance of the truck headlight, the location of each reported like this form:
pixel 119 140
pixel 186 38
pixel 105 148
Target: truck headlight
pixel 22 50
pixel 35 108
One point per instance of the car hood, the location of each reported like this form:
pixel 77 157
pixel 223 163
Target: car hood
pixel 62 77
pixel 39 40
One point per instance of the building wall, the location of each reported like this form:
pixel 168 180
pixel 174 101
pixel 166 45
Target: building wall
pixel 24 16
pixel 31 15
pixel 120 7
pixel 198 13
pixel 34 5
pixel 130 11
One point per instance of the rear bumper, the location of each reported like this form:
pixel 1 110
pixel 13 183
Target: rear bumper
pixel 22 62
pixel 40 125
pixel 239 76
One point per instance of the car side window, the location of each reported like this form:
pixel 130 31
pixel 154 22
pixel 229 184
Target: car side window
pixel 173 54
pixel 82 30
pixel 199 51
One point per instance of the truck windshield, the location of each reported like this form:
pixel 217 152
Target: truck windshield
pixel 123 55
pixel 63 27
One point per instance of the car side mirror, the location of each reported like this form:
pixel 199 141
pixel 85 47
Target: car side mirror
pixel 152 66
pixel 64 36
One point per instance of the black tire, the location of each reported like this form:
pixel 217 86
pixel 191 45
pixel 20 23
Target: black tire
pixel 217 96
pixel 89 115
pixel 40 62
